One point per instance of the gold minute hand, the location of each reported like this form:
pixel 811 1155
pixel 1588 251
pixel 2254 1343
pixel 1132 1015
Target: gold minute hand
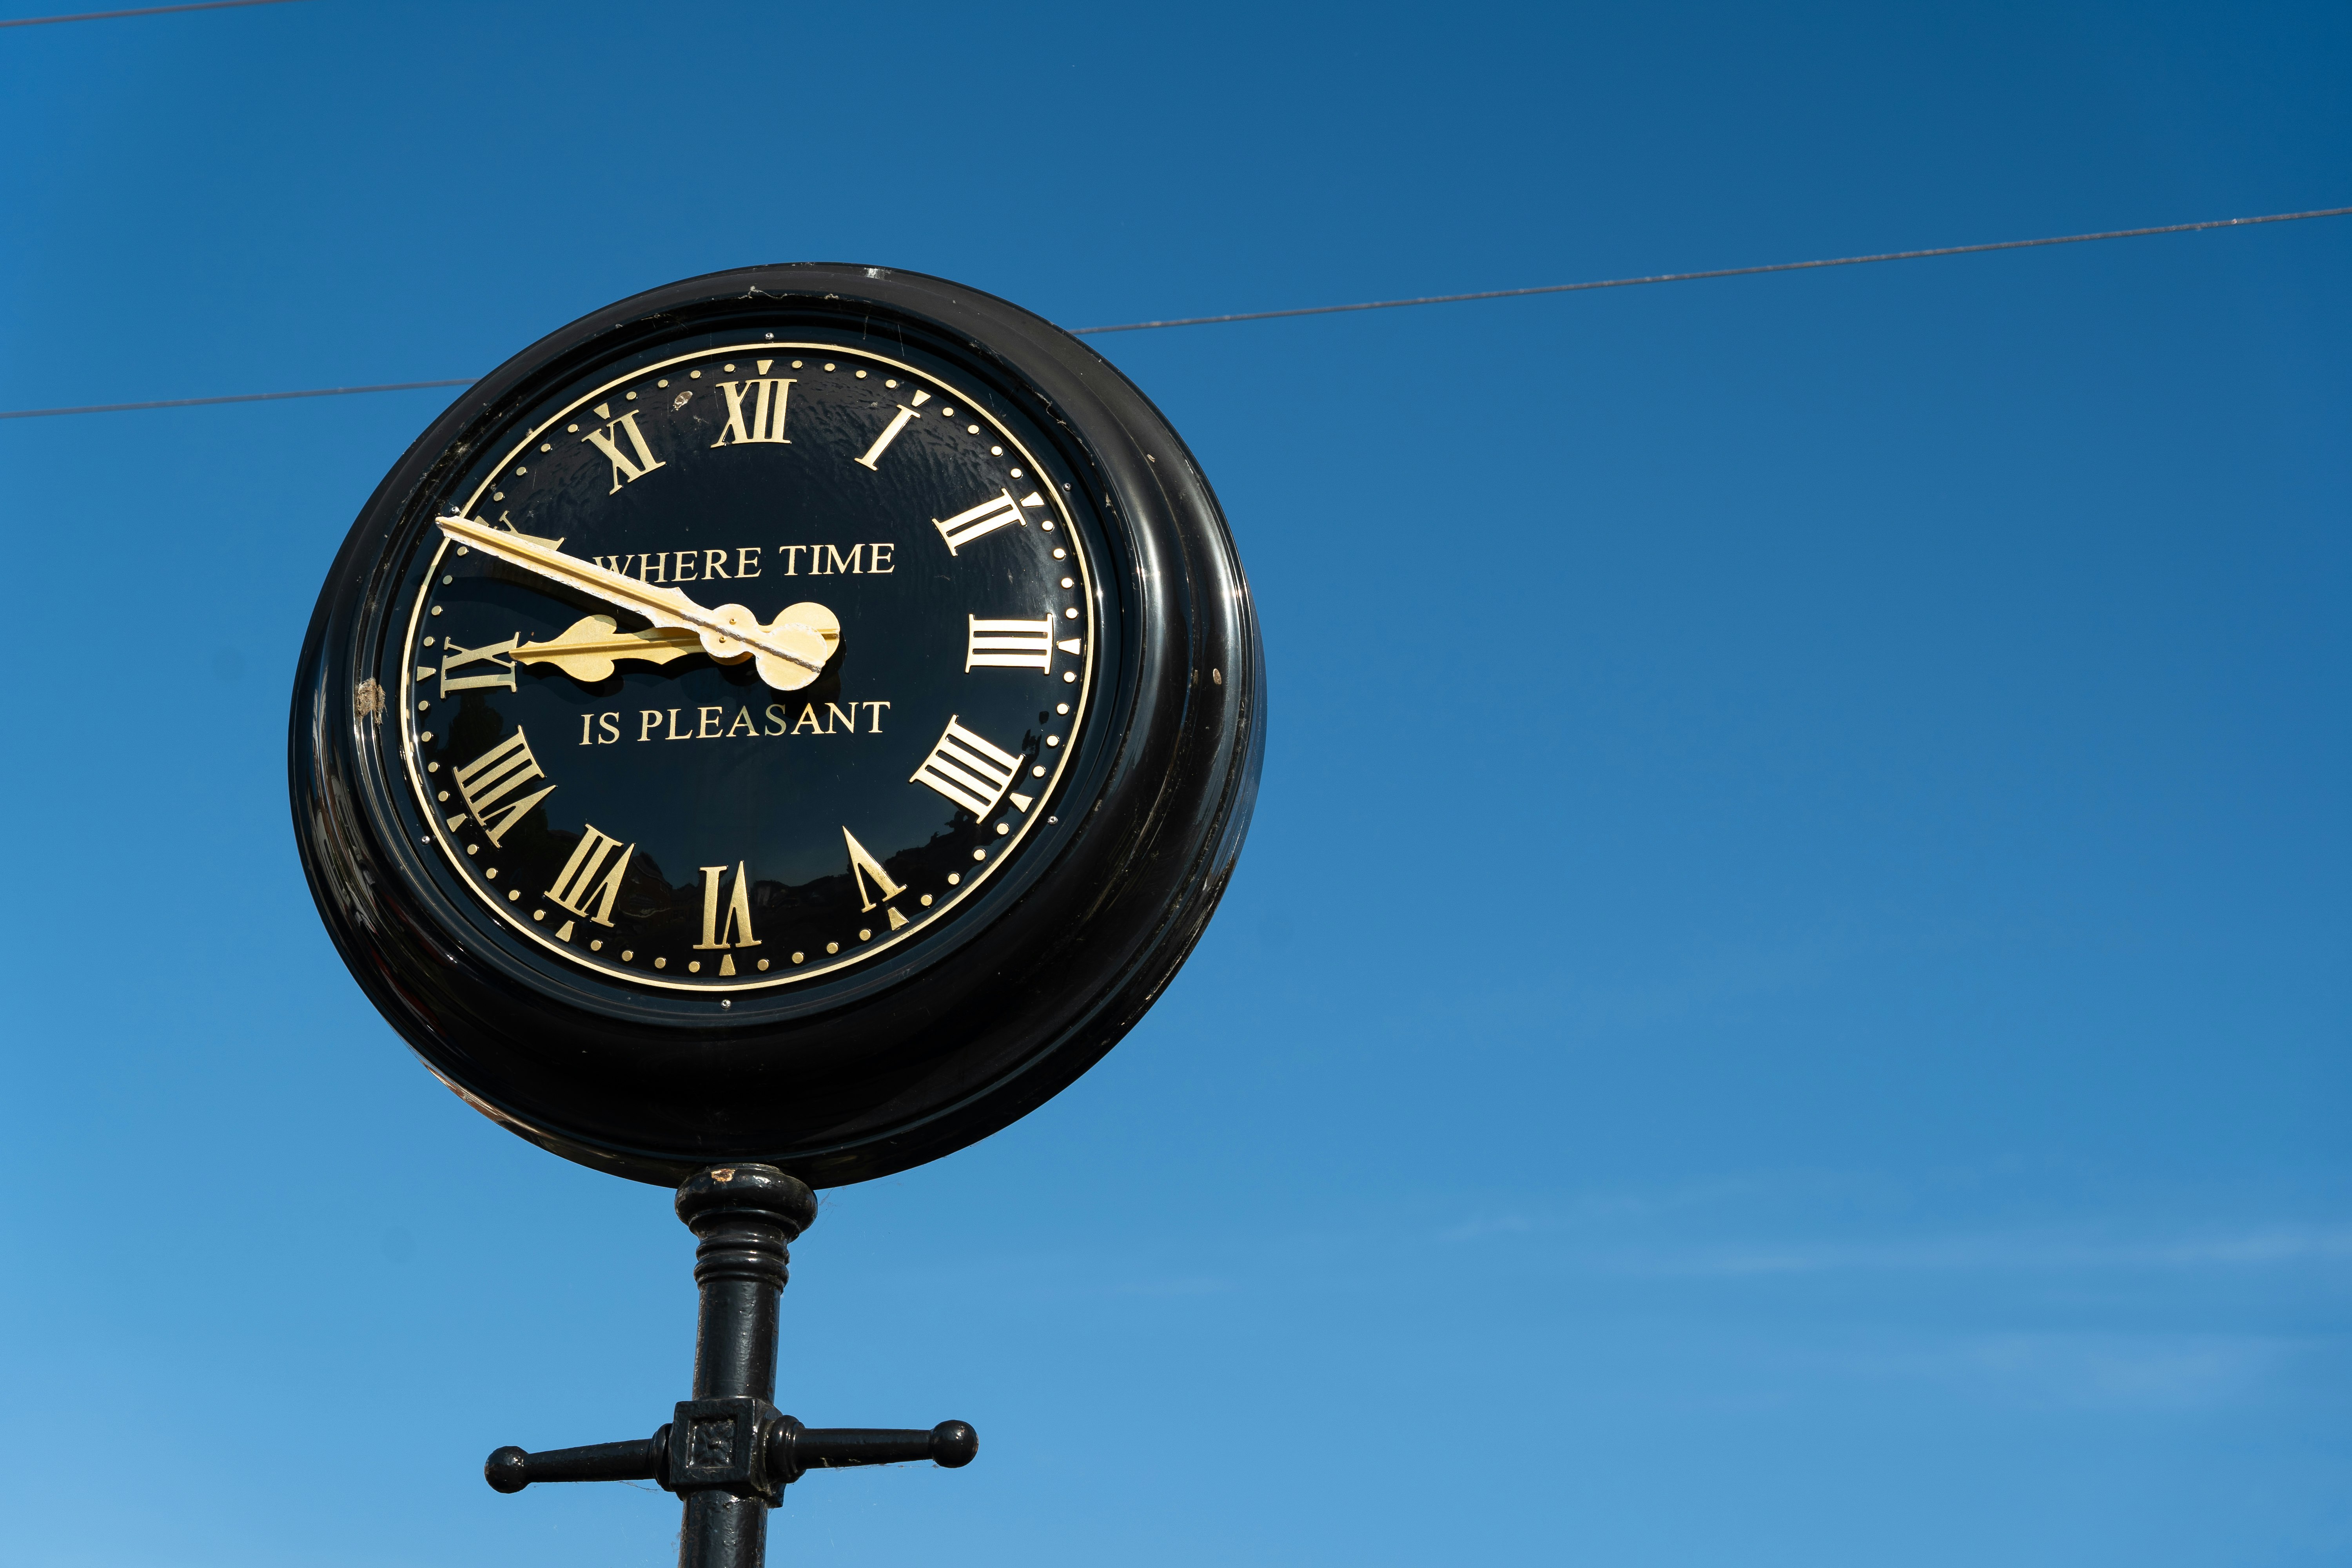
pixel 790 652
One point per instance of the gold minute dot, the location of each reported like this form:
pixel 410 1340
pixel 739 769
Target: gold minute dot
pixel 979 854
pixel 546 447
pixel 864 934
pixel 514 895
pixel 426 737
pixel 443 795
pixel 597 945
pixel 796 364
pixel 491 872
pixel 833 947
pixel 626 955
pixel 473 848
pixel 436 609
pixel 953 878
pixel 535 914
pixel 632 396
pixel 694 966
pixel 663 382
pixel 1069 583
pixel 828 366
pixel 434 768
pixel 890 384
pixel 861 376
pixel 998 452
pixel 573 430
pixel 763 966
pixel 1036 772
pixel 727 368
pixel 1003 828
pixel 1061 708
pixel 694 375
pixel 798 956
pixel 927 901
pixel 661 963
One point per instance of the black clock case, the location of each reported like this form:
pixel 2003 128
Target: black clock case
pixel 924 1049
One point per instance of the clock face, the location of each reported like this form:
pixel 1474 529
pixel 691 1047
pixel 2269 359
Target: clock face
pixel 736 665
pixel 804 714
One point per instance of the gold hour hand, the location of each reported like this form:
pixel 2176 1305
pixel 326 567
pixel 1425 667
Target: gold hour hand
pixel 587 649
pixel 788 653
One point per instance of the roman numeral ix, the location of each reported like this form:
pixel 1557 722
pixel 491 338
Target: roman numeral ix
pixel 453 658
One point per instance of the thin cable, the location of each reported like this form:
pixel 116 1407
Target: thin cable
pixel 1718 272
pixel 1314 310
pixel 234 397
pixel 142 11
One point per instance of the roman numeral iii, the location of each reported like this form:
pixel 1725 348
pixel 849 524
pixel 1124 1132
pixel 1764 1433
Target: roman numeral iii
pixel 968 770
pixel 755 410
pixel 986 518
pixel 623 468
pixel 593 875
pixel 1009 644
pixel 490 783
pixel 500 673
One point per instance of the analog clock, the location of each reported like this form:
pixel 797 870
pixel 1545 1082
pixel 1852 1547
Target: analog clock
pixel 803 714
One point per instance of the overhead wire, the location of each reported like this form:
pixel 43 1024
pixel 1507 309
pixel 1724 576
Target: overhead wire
pixel 140 11
pixel 1321 310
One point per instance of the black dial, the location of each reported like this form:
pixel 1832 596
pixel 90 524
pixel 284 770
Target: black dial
pixel 653 811
pixel 803 714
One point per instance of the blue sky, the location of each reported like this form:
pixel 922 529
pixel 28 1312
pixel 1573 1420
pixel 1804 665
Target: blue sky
pixel 1787 1000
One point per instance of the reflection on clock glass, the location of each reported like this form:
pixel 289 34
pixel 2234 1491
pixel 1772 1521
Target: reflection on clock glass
pixel 746 666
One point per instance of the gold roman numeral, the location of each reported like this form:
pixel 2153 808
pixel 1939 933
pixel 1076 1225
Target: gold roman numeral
pixel 736 930
pixel 593 875
pixel 863 867
pixel 1009 644
pixel 755 409
pixel 968 770
pixel 986 518
pixel 891 432
pixel 454 658
pixel 490 783
pixel 623 468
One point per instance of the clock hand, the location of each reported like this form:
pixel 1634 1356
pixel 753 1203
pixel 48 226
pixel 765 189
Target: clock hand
pixel 790 652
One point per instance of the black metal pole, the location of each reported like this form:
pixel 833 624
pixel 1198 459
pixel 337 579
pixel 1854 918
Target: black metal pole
pixel 729 1451
pixel 744 1217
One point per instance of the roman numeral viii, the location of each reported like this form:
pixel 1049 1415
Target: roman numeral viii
pixel 755 410
pixel 499 656
pixel 593 875
pixel 968 770
pixel 492 784
pixel 625 467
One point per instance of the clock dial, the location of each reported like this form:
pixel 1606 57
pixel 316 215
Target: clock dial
pixel 736 667
pixel 803 714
